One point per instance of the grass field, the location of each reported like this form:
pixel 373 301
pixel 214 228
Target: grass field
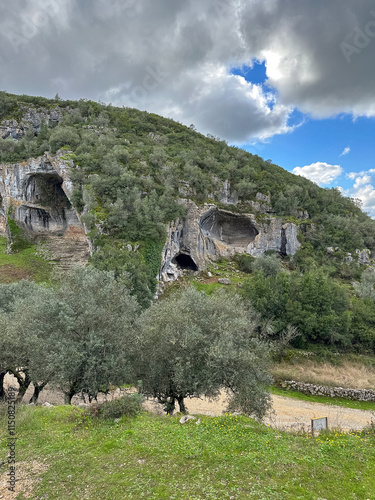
pixel 149 456
pixel 25 264
pixel 353 374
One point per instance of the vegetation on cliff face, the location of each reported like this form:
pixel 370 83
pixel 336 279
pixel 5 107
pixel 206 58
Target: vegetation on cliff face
pixel 130 165
pixel 132 168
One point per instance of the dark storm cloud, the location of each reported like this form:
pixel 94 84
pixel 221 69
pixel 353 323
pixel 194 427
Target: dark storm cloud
pixel 172 57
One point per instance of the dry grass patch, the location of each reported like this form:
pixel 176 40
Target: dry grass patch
pixel 348 374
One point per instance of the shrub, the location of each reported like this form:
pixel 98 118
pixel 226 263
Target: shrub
pixel 129 406
pixel 245 262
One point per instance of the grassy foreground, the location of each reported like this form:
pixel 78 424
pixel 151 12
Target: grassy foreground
pixel 148 456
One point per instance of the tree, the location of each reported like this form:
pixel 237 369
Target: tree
pixel 77 334
pixel 366 288
pixel 190 344
pixel 14 354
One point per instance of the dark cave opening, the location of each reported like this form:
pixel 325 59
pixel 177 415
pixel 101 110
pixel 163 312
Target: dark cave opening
pixel 46 190
pixel 184 261
pixel 232 229
pixel 46 203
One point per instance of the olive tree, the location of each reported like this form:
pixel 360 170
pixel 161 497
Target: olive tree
pixel 78 333
pixel 14 355
pixel 191 344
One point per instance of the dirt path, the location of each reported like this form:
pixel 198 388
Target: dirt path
pixel 291 413
pixel 287 413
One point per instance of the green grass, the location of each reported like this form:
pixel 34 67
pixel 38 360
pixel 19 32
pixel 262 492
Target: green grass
pixel 347 403
pixel 25 264
pixel 157 457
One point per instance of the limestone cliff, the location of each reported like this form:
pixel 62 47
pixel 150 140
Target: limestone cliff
pixel 208 233
pixel 31 119
pixel 36 195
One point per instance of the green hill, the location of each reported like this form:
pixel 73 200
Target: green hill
pixel 132 171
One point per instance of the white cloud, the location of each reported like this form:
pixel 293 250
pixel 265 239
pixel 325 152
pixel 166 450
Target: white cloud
pixel 173 58
pixel 367 195
pixel 345 152
pixel 362 190
pixel 322 173
pixel 361 181
pixel 353 175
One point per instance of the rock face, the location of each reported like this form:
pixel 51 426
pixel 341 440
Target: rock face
pixel 208 233
pixel 32 119
pixel 36 195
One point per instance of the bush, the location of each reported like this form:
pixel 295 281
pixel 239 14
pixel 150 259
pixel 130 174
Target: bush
pixel 245 262
pixel 129 406
pixel 270 265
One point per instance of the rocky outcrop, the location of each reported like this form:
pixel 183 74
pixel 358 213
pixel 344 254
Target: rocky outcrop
pixel 208 233
pixel 363 257
pixel 32 119
pixel 36 195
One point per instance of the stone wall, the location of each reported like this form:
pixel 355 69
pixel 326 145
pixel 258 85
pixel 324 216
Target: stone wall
pixel 331 392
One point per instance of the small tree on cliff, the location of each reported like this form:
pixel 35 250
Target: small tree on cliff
pixel 191 344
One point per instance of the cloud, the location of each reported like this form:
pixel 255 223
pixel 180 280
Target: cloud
pixel 345 152
pixel 174 58
pixel 362 190
pixel 367 195
pixel 322 173
pixel 360 181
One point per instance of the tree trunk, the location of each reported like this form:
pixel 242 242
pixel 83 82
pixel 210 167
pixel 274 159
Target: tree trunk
pixel 2 392
pixel 69 394
pixel 181 404
pixel 37 390
pixel 23 382
pixel 170 406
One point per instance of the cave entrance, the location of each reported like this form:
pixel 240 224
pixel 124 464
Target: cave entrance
pixel 45 204
pixel 184 261
pixel 46 190
pixel 232 229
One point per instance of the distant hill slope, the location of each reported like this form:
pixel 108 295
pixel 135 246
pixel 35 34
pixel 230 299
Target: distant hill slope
pixel 131 171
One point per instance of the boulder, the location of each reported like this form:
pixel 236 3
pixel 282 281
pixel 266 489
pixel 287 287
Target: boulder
pixel 224 281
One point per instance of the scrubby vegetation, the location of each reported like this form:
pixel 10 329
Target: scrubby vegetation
pixel 130 171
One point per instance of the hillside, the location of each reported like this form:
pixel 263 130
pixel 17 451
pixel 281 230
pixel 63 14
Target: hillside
pixel 136 193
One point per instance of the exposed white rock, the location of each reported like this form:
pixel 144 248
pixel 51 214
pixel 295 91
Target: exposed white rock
pixel 224 281
pixel 207 234
pixel 364 256
pixel 186 418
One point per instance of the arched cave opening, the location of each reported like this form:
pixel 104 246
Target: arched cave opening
pixel 45 204
pixel 45 189
pixel 232 229
pixel 184 261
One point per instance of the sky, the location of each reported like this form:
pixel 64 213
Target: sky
pixel 290 80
